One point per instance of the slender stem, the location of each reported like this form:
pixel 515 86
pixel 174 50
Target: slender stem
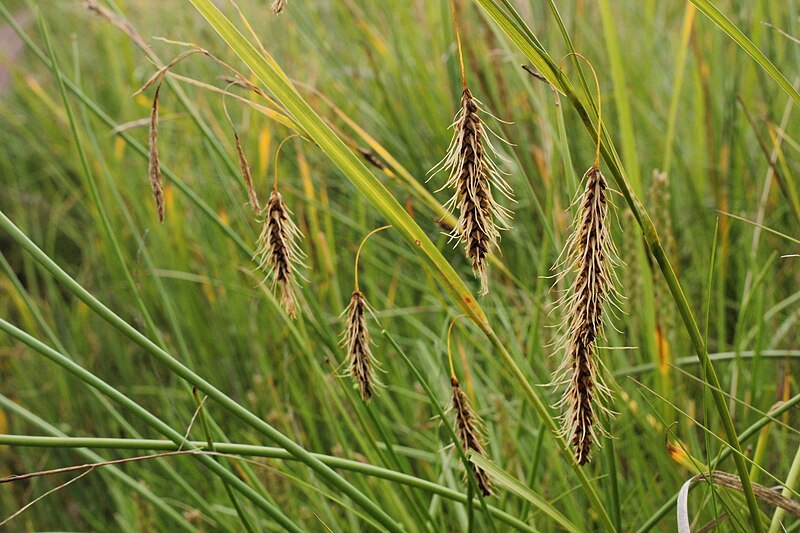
pixel 277 153
pixel 360 246
pixel 458 43
pixel 744 436
pixel 788 492
pixel 248 450
pixel 190 376
pixel 136 409
pixel 449 352
pixel 207 432
pixel 599 104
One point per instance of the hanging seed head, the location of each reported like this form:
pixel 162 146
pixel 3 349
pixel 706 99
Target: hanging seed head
pixel 155 165
pixel 361 364
pixel 277 6
pixel 246 175
pixel 278 252
pixel 590 255
pixel 472 174
pixel 468 430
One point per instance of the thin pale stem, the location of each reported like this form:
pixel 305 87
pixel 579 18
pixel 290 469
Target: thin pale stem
pixel 458 43
pixel 360 246
pixel 277 153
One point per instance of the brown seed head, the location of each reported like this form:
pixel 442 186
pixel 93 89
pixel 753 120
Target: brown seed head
pixel 468 431
pixel 360 362
pixel 278 251
pixel 472 175
pixel 248 178
pixel 155 165
pixel 590 255
pixel 278 5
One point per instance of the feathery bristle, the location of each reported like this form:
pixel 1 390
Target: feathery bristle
pixel 278 5
pixel 472 175
pixel 155 165
pixel 360 362
pixel 278 251
pixel 468 431
pixel 590 255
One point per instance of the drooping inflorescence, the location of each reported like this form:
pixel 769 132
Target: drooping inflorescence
pixel 469 432
pixel 278 252
pixel 278 5
pixel 590 255
pixel 472 175
pixel 361 364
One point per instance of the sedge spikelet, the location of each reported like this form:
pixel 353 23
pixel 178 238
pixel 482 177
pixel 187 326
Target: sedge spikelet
pixel 277 6
pixel 589 254
pixel 246 175
pixel 473 175
pixel 155 165
pixel 468 430
pixel 278 251
pixel 361 364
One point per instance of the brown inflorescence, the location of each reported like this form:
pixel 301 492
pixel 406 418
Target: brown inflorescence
pixel 472 175
pixel 360 362
pixel 590 255
pixel 278 251
pixel 468 431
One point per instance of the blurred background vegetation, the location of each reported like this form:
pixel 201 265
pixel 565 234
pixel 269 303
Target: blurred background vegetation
pixel 679 97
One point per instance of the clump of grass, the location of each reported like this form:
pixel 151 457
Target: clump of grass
pixel 278 250
pixel 472 175
pixel 468 426
pixel 591 256
pixel 361 363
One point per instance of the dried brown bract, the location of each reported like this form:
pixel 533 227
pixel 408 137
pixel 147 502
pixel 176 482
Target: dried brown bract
pixel 361 364
pixel 468 430
pixel 590 255
pixel 278 251
pixel 473 175
pixel 248 178
pixel 155 166
pixel 278 5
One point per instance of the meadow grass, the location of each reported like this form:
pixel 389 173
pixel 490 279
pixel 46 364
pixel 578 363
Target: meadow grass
pixel 126 337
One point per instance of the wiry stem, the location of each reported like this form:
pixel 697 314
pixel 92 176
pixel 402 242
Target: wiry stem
pixel 591 255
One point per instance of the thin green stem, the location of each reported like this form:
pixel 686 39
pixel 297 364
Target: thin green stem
pixel 134 408
pixel 194 379
pixel 651 239
pixel 247 450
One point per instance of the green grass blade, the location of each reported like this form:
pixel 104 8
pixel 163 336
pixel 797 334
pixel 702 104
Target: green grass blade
pixel 508 482
pixel 133 407
pixel 730 29
pixel 180 369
